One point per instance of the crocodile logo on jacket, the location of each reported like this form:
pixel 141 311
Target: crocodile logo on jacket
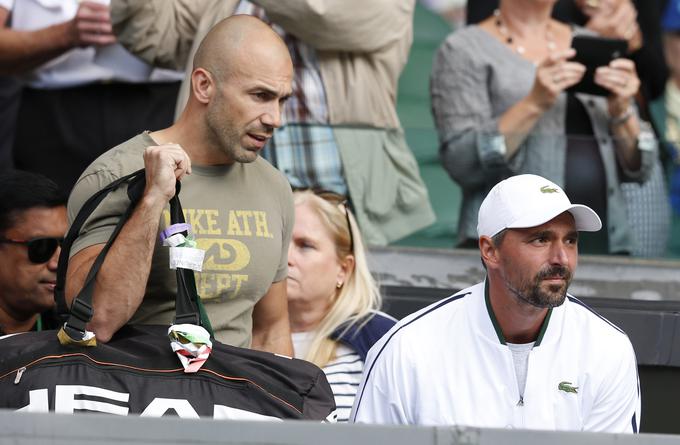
pixel 566 387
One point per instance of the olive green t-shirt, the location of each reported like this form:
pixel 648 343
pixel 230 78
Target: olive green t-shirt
pixel 241 215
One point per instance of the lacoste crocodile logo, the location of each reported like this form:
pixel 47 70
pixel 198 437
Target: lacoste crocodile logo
pixel 566 387
pixel 548 189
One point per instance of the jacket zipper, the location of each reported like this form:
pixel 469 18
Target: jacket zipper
pixel 20 372
pixel 178 372
pixel 520 403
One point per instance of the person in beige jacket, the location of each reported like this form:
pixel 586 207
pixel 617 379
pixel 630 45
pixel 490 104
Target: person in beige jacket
pixel 360 49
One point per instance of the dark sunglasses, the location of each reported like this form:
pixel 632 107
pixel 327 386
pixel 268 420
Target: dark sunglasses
pixel 336 199
pixel 40 250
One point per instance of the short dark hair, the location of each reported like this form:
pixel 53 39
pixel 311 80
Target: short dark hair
pixel 22 190
pixel 497 240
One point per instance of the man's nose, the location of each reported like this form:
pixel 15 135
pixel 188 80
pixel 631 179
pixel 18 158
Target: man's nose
pixel 54 260
pixel 559 254
pixel 272 117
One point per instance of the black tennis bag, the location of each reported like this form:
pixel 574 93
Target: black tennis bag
pixel 137 372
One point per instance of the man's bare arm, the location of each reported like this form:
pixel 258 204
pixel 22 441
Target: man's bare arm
pixel 271 327
pixel 121 282
pixel 21 51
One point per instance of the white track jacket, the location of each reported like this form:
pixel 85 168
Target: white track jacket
pixel 448 364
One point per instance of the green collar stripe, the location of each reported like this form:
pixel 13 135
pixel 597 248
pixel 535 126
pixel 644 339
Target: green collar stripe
pixel 497 327
pixel 544 327
pixel 489 309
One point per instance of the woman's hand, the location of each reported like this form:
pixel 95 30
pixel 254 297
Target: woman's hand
pixel 621 79
pixel 554 75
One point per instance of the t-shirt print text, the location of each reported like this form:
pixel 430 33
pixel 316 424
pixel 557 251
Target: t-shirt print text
pixel 226 239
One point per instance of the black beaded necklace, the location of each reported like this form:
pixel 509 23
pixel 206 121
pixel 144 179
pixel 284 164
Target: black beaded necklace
pixel 510 41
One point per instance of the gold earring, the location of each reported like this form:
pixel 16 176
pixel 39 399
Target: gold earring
pixel 338 284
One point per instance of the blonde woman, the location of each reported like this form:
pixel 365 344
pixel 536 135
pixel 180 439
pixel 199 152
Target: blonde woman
pixel 333 300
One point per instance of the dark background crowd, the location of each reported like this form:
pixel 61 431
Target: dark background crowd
pixel 56 124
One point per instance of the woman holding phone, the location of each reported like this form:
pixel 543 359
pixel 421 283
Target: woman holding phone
pixel 501 108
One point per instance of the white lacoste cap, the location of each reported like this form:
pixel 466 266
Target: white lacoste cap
pixel 528 201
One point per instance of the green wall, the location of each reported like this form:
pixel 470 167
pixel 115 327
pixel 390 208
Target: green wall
pixel 413 106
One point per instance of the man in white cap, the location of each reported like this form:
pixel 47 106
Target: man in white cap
pixel 516 350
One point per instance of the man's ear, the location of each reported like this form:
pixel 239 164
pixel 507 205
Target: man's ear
pixel 489 252
pixel 202 85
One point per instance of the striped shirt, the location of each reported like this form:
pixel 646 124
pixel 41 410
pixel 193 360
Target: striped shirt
pixel 343 372
pixel 344 376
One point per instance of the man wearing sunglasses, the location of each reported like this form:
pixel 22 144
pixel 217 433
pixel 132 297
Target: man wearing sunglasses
pixel 32 226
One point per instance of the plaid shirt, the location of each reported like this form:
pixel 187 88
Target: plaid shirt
pixel 304 148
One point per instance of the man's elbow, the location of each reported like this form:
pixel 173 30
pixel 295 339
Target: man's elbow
pixel 274 341
pixel 105 324
pixel 103 330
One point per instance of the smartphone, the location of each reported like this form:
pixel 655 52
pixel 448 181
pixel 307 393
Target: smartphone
pixel 594 52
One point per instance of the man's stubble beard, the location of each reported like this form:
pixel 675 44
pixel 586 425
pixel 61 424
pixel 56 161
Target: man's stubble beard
pixel 223 135
pixel 530 291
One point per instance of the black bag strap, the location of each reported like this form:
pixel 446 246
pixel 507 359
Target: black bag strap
pixel 73 232
pixel 187 302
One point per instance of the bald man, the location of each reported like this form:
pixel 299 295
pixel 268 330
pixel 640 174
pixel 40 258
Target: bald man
pixel 239 206
pixel 342 131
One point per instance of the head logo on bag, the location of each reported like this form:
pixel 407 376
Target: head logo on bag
pixel 69 399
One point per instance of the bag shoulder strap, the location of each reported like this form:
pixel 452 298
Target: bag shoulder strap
pixel 187 302
pixel 74 230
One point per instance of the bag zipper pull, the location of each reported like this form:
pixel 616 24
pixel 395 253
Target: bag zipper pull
pixel 20 372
